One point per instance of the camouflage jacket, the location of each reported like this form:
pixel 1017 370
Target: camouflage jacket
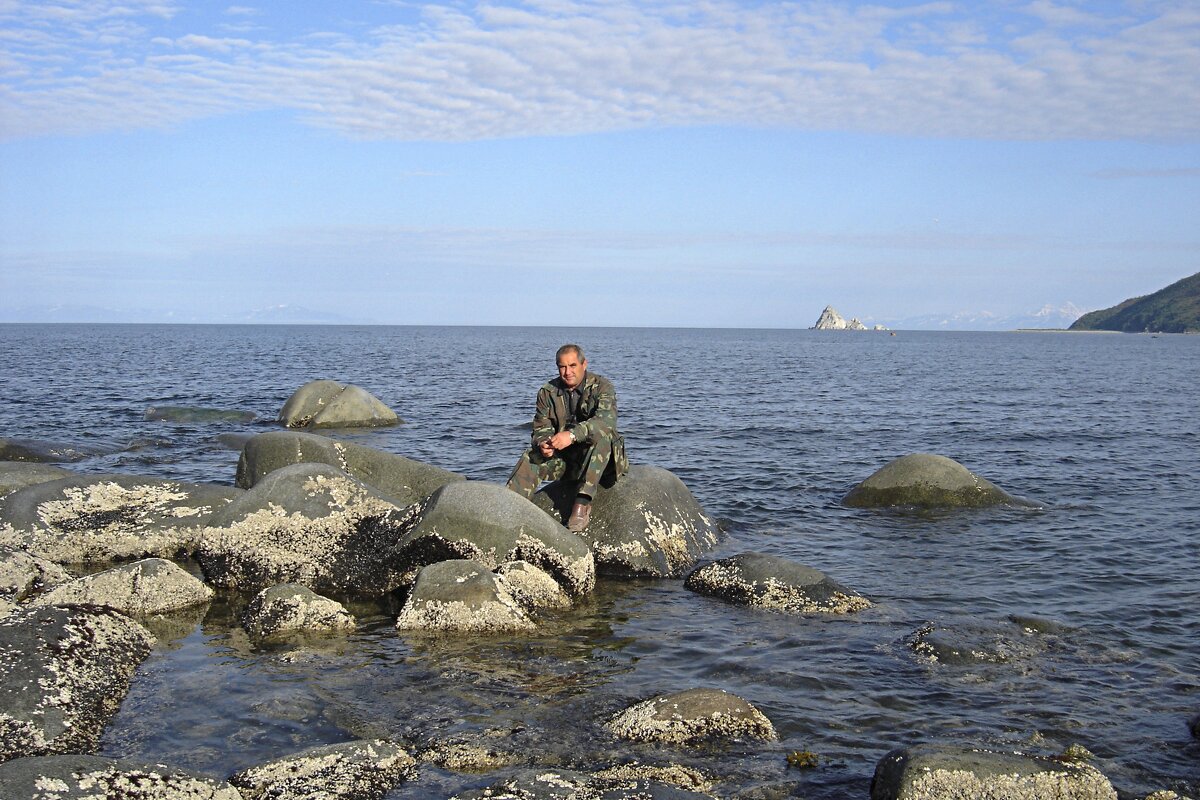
pixel 596 413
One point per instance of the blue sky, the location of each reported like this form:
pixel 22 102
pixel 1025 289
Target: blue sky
pixel 614 163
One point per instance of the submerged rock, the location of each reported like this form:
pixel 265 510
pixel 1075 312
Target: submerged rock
pixel 402 479
pixel 83 777
pixel 968 644
pixel 16 475
pixel 925 480
pixel 489 524
pixel 692 717
pixel 310 524
pixel 97 518
pixel 933 772
pixel 149 586
pixel 329 404
pixel 292 608
pixel 43 452
pixel 647 524
pixel 774 583
pixel 462 596
pixel 562 784
pixel 63 674
pixel 193 414
pixel 22 574
pixel 359 770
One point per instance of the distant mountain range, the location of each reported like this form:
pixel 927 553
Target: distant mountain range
pixel 1175 309
pixel 1048 316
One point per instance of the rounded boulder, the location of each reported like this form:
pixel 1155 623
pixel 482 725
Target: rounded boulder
pixel 462 596
pixel 359 769
pixel 149 586
pixel 329 404
pixel 693 717
pixel 926 480
pixel 774 584
pixel 291 608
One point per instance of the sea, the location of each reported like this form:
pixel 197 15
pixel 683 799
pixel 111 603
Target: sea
pixel 1078 616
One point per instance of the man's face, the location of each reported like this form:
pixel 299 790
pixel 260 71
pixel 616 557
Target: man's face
pixel 571 368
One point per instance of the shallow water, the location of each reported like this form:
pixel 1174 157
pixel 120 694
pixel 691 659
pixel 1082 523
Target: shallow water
pixel 768 429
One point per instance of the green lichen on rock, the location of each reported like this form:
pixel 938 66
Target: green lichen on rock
pixel 927 481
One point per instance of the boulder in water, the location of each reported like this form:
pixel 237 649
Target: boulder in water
pixel 562 784
pixel 291 608
pixel 22 574
pixel 933 772
pixel 365 769
pixel 490 524
pixel 462 596
pixel 329 404
pixel 196 414
pixel 647 524
pixel 925 480
pixel 532 586
pixel 63 674
pixel 775 584
pixel 693 717
pixel 98 518
pixel 84 777
pixel 310 524
pixel 149 586
pixel 16 475
pixel 404 480
pixel 43 452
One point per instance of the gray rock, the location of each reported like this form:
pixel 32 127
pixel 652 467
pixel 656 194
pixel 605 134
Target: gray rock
pixel 63 674
pixel 404 480
pixel 774 583
pixel 533 587
pixel 194 414
pixel 359 770
pixel 292 608
pixel 646 525
pixel 562 784
pixel 83 777
pixel 925 480
pixel 462 596
pixel 22 574
pixel 968 644
pixel 43 452
pixel 329 404
pixel 693 717
pixel 149 586
pixel 489 524
pixel 310 524
pixel 16 475
pixel 97 518
pixel 932 772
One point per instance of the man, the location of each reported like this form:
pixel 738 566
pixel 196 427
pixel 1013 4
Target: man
pixel 574 435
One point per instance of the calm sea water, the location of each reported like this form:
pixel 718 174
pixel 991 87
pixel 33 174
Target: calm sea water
pixel 769 429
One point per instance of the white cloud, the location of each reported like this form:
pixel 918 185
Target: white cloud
pixel 1045 70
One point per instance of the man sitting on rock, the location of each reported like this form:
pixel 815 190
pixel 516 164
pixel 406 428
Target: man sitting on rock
pixel 574 435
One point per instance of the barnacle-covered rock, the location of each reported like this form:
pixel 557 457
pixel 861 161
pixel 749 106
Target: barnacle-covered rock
pixel 292 608
pixel 462 596
pixel 692 717
pixel 359 770
pixel 149 586
pixel 84 777
pixel 775 584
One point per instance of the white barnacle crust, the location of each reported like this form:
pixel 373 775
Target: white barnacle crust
pixel 1081 783
pixel 500 616
pixel 665 719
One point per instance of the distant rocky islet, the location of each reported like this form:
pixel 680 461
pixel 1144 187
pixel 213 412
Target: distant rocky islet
pixel 467 558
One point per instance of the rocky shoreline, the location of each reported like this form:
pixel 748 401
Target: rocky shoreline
pixel 87 560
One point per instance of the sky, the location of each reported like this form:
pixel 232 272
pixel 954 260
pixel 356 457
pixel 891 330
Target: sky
pixel 564 162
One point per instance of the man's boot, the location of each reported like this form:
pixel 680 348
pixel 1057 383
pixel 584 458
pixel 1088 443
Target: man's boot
pixel 581 515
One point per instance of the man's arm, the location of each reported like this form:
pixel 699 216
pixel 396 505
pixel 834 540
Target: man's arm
pixel 543 425
pixel 605 418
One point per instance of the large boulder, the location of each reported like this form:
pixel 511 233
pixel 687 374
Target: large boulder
pixel 63 674
pixel 402 479
pixel 22 574
pixel 925 480
pixel 775 584
pixel 97 518
pixel 16 475
pixel 291 608
pixel 932 772
pixel 359 770
pixel 329 404
pixel 692 717
pixel 462 596
pixel 489 524
pixel 645 525
pixel 310 524
pixel 149 586
pixel 84 777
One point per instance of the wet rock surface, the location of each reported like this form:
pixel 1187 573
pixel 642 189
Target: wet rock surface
pixel 360 770
pixel 16 475
pixel 99 518
pixel 22 574
pixel 487 523
pixel 149 586
pixel 63 673
pixel 43 452
pixel 292 608
pixel 969 644
pixel 196 414
pixel 932 772
pixel 561 784
pixel 647 524
pixel 310 524
pixel 533 587
pixel 926 480
pixel 84 777
pixel 775 584
pixel 402 479
pixel 692 717
pixel 462 596
pixel 329 404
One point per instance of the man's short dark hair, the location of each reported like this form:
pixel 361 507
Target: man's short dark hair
pixel 568 348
